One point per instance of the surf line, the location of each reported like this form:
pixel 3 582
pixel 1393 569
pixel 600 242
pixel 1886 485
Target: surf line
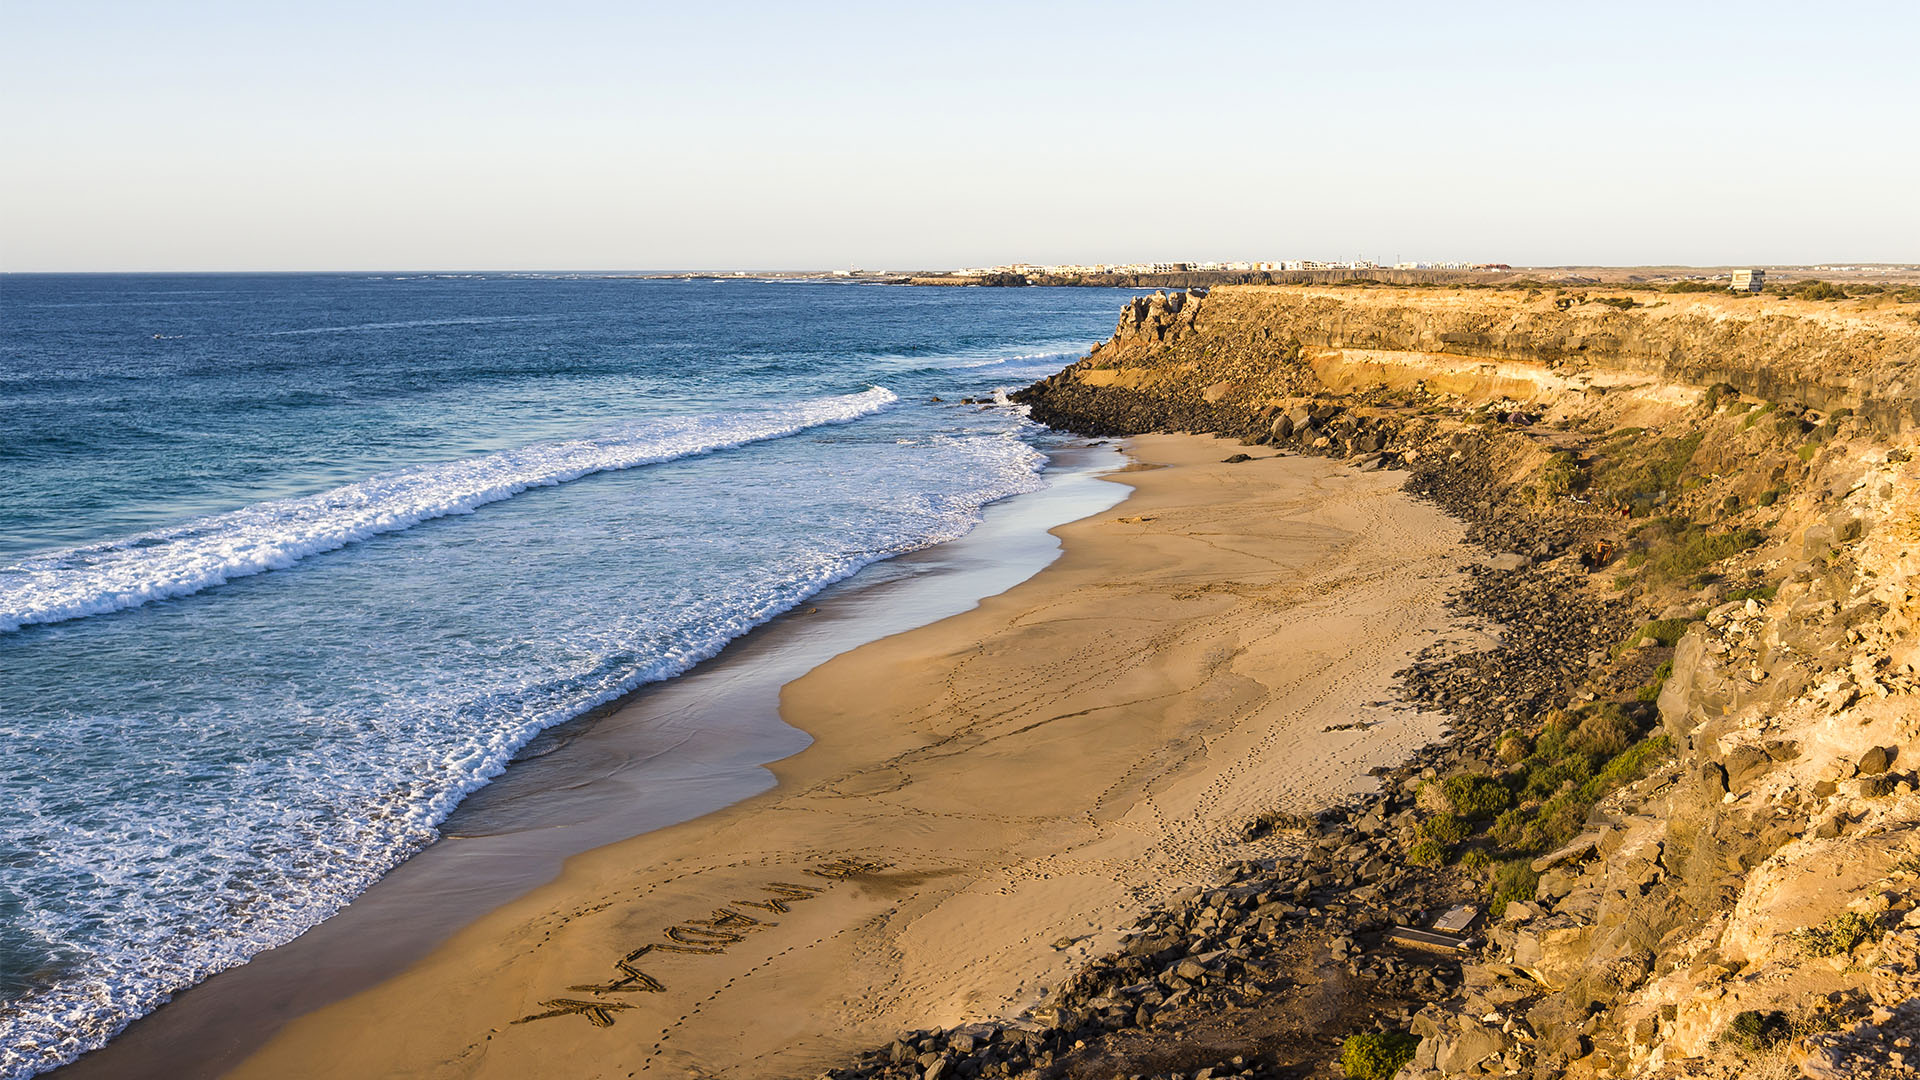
pixel 700 937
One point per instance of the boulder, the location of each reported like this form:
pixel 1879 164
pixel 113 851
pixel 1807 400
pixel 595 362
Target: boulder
pixel 1877 760
pixel 1744 765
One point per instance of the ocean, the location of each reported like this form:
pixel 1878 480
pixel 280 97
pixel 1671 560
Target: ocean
pixel 290 564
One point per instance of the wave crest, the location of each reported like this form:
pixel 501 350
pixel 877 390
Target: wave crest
pixel 184 559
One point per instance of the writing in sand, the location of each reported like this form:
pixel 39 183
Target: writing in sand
pixel 702 937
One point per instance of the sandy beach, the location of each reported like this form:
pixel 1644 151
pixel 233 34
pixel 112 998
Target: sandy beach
pixel 987 800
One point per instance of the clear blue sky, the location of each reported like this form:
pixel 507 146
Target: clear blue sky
pixel 341 135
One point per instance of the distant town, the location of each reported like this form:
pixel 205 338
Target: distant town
pixel 1194 274
pixel 1072 269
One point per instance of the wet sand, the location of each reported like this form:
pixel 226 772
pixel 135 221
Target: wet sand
pixel 986 800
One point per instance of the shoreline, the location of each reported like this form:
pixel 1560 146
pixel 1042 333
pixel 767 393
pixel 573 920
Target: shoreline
pixel 666 753
pixel 987 801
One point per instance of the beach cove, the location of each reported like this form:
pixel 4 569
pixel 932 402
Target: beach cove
pixel 987 801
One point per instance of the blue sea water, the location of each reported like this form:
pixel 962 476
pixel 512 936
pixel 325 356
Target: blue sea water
pixel 289 564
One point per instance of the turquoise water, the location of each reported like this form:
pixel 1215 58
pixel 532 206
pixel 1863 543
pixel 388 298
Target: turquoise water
pixel 289 564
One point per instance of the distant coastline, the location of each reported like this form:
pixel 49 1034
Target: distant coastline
pixel 1618 276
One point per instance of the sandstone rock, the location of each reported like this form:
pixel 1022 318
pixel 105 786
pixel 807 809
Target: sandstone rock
pixel 1744 765
pixel 1522 910
pixel 1816 541
pixel 1877 760
pixel 1583 845
pixel 1782 749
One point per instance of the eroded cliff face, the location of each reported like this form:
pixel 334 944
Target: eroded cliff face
pixel 1740 894
pixel 1752 902
pixel 1188 357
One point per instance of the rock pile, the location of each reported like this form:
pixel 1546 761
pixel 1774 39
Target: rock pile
pixel 1310 921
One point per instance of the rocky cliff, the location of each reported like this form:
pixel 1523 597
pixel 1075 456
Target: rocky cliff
pixel 1241 345
pixel 1689 803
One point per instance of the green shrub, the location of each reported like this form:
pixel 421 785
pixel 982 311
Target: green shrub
pixel 1445 829
pixel 1377 1055
pixel 1636 474
pixel 1806 452
pixel 1552 740
pixel 1819 290
pixel 1547 778
pixel 1694 286
pixel 1770 496
pixel 1513 748
pixel 1651 691
pixel 1428 852
pixel 1839 935
pixel 1758 592
pixel 1475 860
pixel 1755 1030
pixel 1630 765
pixel 1475 795
pixel 1605 730
pixel 1663 632
pixel 1509 830
pixel 1560 476
pixel 1514 880
pixel 1694 549
pixel 1565 777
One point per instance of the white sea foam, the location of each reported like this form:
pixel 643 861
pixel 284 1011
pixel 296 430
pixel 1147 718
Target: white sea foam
pixel 184 559
pixel 1058 357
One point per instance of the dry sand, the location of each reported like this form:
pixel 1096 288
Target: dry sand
pixel 988 799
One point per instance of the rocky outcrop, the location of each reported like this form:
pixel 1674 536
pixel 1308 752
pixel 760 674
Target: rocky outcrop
pixel 1268 342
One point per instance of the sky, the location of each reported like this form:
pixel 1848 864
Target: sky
pixel 898 135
